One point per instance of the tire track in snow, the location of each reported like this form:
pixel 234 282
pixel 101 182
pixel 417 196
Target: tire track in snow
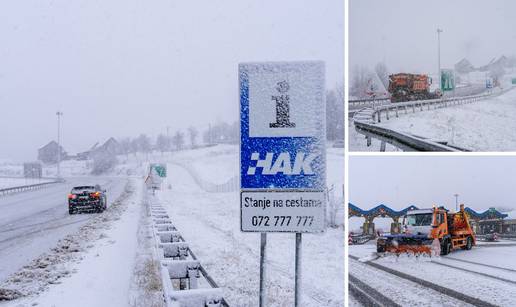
pixel 367 295
pixel 447 291
pixel 482 264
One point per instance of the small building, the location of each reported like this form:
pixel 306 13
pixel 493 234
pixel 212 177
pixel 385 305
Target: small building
pixel 110 147
pixel 85 155
pixel 48 153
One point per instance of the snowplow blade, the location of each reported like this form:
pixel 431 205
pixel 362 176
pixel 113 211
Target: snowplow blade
pixel 404 244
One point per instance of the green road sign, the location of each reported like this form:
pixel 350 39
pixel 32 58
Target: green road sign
pixel 160 169
pixel 447 80
pixel 513 81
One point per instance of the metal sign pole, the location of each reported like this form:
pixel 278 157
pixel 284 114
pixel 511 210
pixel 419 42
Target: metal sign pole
pixel 297 287
pixel 263 246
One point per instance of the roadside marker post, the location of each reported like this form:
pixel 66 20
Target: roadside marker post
pixel 282 154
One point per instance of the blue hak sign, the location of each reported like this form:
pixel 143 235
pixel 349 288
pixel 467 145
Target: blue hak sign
pixel 282 126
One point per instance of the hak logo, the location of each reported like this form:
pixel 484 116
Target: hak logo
pixel 283 164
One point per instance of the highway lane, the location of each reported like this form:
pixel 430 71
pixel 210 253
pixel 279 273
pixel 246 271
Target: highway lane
pixel 32 222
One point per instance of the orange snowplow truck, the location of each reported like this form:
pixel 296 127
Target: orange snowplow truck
pixel 423 227
pixel 407 87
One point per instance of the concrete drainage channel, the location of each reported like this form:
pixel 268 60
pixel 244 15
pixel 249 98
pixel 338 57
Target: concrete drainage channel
pixel 185 282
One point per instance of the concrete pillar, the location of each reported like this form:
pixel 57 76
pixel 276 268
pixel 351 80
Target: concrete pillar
pixel 368 227
pixel 395 225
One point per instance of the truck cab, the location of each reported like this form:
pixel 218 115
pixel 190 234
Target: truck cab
pixel 421 227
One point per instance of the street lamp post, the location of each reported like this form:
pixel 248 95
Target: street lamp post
pixel 59 114
pixel 456 202
pixel 439 31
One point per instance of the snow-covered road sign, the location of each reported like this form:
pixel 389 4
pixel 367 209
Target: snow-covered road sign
pixel 282 146
pixel 159 168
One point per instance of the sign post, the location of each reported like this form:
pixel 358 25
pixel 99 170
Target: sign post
pixel 447 80
pixel 282 153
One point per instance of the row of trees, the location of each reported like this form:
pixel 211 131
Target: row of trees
pixel 335 113
pixel 228 133
pixel 143 143
pixel 362 77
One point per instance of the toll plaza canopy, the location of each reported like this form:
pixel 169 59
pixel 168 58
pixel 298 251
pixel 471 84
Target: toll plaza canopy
pixel 383 210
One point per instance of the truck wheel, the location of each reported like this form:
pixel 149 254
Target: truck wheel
pixel 445 248
pixel 469 244
pixel 380 249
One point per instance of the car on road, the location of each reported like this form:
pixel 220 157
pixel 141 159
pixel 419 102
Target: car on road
pixel 91 198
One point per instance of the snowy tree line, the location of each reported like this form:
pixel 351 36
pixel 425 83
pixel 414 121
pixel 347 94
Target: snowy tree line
pixel 163 142
pixel 218 133
pixel 335 113
pixel 362 77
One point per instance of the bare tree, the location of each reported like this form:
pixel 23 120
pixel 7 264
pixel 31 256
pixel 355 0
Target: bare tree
pixel 335 113
pixel 178 140
pixel 144 144
pixel 125 145
pixel 359 81
pixel 383 73
pixel 162 143
pixel 192 133
pixel 135 146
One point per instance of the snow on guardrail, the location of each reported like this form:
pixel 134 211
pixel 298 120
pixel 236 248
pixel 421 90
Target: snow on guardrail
pixel 185 281
pixel 29 187
pixel 365 121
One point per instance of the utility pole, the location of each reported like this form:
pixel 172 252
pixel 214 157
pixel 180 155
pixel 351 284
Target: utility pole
pixel 59 114
pixel 209 134
pixel 168 139
pixel 456 202
pixel 439 31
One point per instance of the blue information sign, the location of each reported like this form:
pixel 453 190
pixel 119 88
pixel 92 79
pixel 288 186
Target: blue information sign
pixel 282 148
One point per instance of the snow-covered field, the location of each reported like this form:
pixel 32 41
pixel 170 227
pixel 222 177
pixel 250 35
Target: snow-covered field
pixel 210 222
pixel 489 275
pixel 487 125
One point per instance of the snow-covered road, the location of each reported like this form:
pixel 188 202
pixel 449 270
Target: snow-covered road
pixel 490 278
pixel 32 222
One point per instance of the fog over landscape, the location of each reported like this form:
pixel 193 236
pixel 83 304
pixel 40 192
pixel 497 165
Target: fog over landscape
pixel 122 68
pixel 481 182
pixel 402 34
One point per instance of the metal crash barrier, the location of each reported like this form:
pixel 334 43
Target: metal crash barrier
pixel 185 282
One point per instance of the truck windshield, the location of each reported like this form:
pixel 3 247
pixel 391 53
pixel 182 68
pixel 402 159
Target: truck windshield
pixel 419 219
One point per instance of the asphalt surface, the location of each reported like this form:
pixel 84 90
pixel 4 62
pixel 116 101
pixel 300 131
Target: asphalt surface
pixel 32 222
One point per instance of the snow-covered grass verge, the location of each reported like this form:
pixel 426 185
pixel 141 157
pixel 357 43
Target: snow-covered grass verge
pixel 146 285
pixel 487 125
pixel 76 253
pixel 210 222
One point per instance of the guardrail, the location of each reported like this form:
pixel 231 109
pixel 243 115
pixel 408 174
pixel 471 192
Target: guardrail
pixel 354 105
pixel 180 269
pixel 404 141
pixel 361 102
pixel 366 118
pixel 26 187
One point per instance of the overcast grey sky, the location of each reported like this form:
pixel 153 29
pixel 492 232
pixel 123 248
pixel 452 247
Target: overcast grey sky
pixel 402 33
pixel 120 68
pixel 481 182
